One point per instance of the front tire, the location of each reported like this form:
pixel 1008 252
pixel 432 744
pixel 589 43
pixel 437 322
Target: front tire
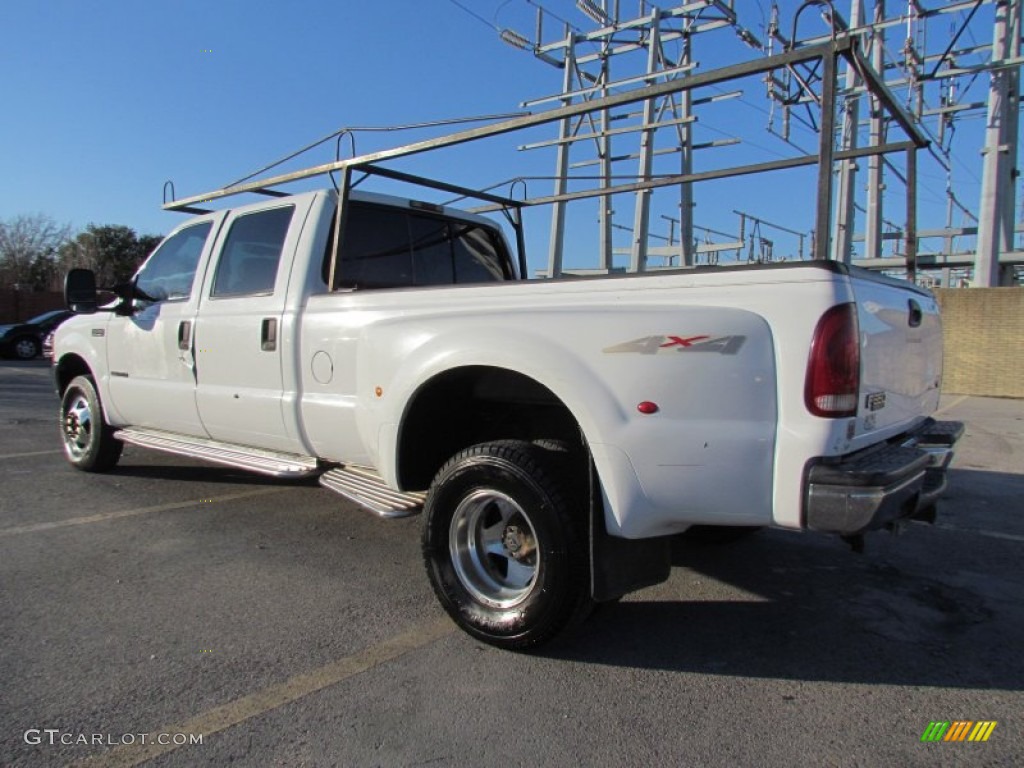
pixel 504 548
pixel 88 440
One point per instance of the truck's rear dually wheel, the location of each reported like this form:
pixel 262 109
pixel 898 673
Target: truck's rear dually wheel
pixel 505 552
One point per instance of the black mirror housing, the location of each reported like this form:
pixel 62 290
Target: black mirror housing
pixel 80 291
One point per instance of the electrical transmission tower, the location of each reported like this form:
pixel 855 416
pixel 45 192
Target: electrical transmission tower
pixel 586 59
pixel 919 51
pixel 930 71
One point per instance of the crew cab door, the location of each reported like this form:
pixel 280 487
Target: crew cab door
pixel 149 353
pixel 240 334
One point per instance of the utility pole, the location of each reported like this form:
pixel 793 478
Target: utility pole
pixel 999 158
pixel 686 203
pixel 555 247
pixel 587 74
pixel 842 239
pixel 876 128
pixel 606 213
pixel 642 212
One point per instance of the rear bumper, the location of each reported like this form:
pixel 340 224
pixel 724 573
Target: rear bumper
pixel 876 487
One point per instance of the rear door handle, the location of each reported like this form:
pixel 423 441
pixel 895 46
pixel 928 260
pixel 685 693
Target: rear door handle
pixel 268 334
pixel 184 335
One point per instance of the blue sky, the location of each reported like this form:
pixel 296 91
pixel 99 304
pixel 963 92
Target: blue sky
pixel 105 101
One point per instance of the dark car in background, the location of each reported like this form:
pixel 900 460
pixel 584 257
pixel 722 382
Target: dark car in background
pixel 25 340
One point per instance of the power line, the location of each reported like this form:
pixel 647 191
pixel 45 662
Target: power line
pixel 476 16
pixel 552 14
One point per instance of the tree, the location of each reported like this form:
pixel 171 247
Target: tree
pixel 28 250
pixel 113 252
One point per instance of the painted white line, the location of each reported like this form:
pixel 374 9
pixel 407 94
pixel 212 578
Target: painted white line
pixel 981 532
pixel 953 404
pixel 255 704
pixel 105 516
pixel 34 371
pixel 27 453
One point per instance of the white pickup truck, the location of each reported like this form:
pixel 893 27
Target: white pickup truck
pixel 555 433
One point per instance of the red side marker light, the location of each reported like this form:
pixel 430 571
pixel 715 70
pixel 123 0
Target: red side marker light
pixel 647 407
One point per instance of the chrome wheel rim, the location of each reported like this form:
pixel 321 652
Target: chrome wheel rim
pixel 494 548
pixel 77 425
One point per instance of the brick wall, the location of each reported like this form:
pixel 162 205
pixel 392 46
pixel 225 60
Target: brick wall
pixel 984 341
pixel 18 306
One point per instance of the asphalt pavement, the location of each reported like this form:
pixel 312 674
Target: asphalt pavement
pixel 276 624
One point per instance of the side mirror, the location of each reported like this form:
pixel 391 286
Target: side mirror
pixel 126 293
pixel 80 291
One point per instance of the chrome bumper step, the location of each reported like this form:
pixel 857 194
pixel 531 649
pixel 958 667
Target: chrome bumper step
pixel 366 488
pixel 265 462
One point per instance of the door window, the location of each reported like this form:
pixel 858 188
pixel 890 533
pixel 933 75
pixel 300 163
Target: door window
pixel 251 254
pixel 168 274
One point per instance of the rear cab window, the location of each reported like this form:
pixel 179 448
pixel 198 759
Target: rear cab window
pixel 391 247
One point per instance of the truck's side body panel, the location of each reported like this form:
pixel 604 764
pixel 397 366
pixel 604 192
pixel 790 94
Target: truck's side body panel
pixel 676 340
pixel 282 363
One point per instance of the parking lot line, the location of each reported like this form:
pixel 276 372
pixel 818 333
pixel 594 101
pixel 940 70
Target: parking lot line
pixel 981 532
pixel 29 453
pixel 105 516
pixel 270 698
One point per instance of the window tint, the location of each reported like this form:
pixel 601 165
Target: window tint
pixel 375 249
pixel 477 257
pixel 169 272
pixel 385 247
pixel 252 250
pixel 431 251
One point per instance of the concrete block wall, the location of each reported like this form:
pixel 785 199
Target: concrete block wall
pixel 983 341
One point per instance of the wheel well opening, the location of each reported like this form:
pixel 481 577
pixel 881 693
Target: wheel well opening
pixel 68 368
pixel 477 404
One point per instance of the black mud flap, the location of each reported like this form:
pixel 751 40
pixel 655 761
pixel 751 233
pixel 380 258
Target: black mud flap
pixel 619 566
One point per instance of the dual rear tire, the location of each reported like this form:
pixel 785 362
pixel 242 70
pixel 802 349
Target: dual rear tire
pixel 505 548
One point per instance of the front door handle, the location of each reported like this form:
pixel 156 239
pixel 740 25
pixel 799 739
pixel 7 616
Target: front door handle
pixel 184 335
pixel 268 334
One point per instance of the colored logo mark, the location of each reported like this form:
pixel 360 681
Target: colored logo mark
pixel 958 730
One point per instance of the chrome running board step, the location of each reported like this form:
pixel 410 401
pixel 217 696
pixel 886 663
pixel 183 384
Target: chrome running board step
pixel 238 456
pixel 366 488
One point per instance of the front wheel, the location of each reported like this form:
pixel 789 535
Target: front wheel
pixel 89 443
pixel 505 551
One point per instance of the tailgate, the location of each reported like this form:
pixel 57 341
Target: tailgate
pixel 901 352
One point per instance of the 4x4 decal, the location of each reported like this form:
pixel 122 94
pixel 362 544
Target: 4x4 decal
pixel 653 345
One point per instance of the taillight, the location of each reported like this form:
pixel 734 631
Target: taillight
pixel 833 370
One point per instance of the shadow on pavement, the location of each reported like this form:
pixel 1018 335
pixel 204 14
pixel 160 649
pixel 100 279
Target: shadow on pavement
pixel 813 610
pixel 202 474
